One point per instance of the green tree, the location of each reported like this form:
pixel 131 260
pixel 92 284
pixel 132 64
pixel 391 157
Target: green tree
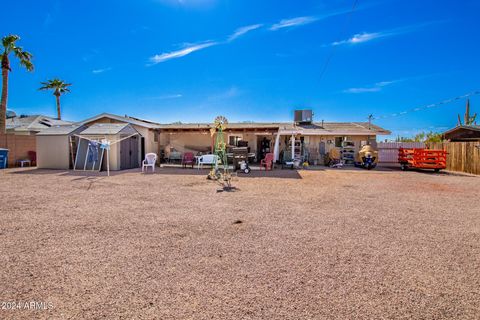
pixel 422 137
pixel 25 58
pixel 59 87
pixel 419 137
pixel 434 137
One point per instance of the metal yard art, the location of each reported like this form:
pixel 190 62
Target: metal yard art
pixel 220 172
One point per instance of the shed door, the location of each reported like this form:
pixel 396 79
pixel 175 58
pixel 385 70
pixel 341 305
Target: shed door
pixel 129 153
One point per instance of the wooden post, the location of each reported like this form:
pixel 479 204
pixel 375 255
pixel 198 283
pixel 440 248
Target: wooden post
pixel 108 162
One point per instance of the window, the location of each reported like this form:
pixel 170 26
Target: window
pixel 155 136
pixel 338 142
pixel 233 140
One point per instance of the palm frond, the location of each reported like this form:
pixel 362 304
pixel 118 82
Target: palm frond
pixel 25 57
pixel 8 42
pixel 58 86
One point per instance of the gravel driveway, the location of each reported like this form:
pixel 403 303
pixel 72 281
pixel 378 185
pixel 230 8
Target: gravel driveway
pixel 327 244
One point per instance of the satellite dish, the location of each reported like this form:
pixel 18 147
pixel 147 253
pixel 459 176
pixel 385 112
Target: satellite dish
pixel 11 114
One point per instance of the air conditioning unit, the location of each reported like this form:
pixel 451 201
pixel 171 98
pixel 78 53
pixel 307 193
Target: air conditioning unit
pixel 303 116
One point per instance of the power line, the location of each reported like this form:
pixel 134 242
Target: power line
pixel 429 106
pixel 332 50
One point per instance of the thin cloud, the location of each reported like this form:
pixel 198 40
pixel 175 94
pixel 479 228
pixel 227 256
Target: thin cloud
pixel 293 22
pixel 167 97
pixel 299 21
pixel 243 30
pixel 374 88
pixel 363 37
pixel 159 58
pixel 366 36
pixel 98 71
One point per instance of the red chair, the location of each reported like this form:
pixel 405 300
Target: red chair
pixel 267 162
pixel 32 156
pixel 188 159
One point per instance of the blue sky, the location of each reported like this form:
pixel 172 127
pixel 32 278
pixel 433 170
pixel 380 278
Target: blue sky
pixel 190 60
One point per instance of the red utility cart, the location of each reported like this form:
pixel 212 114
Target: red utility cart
pixel 422 159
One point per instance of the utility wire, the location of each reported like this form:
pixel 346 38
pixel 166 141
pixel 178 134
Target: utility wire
pixel 333 49
pixel 429 106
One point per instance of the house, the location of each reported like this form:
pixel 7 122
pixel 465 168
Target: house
pixel 31 125
pixel 306 139
pixel 463 133
pixel 282 139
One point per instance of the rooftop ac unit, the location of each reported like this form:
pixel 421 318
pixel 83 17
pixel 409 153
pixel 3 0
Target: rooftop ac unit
pixel 303 116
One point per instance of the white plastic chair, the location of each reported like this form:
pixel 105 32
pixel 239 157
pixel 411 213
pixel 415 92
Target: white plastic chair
pixel 150 160
pixel 207 159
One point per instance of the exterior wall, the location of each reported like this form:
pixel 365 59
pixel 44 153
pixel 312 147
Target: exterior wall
pixel 53 152
pixel 186 141
pixel 149 136
pixel 202 141
pixel 18 146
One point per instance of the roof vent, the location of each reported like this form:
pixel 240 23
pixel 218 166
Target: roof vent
pixel 303 116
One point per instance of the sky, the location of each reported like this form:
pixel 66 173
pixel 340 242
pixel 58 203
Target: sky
pixel 250 60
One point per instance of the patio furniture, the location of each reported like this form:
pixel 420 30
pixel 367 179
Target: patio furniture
pixel 210 159
pixel 174 156
pixel 22 163
pixel 239 155
pixel 267 162
pixel 150 160
pixel 188 159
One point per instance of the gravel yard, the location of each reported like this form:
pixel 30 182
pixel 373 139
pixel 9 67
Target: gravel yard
pixel 326 244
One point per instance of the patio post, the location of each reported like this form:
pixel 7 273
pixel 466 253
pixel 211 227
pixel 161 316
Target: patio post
pixel 276 147
pixel 293 147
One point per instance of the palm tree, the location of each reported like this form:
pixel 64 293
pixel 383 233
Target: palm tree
pixel 59 87
pixel 8 46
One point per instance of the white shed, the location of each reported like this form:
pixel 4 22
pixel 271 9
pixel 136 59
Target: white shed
pixel 56 146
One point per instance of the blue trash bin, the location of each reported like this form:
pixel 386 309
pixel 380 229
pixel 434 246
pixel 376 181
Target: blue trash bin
pixel 3 158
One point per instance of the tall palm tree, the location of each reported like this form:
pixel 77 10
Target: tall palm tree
pixel 59 87
pixel 9 46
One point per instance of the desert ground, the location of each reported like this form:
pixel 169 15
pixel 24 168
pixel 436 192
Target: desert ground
pixel 312 244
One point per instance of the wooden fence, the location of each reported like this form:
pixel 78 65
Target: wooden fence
pixel 462 156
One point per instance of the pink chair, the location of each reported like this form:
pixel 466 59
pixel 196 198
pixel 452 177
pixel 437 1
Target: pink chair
pixel 188 159
pixel 267 162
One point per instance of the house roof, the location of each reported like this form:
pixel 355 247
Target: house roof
pixel 33 123
pixel 327 128
pixel 60 130
pixel 105 128
pixel 126 119
pixel 473 128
